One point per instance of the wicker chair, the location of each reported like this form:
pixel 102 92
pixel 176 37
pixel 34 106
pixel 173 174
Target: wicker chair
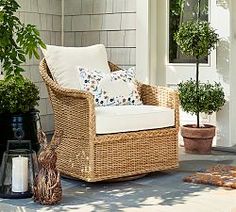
pixel 87 156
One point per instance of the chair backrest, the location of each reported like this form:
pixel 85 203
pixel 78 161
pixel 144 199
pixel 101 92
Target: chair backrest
pixel 63 62
pixel 112 66
pixel 45 71
pixel 50 82
pixel 49 72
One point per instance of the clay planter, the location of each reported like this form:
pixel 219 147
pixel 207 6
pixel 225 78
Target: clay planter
pixel 198 140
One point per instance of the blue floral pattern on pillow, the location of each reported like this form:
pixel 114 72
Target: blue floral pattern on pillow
pixel 115 88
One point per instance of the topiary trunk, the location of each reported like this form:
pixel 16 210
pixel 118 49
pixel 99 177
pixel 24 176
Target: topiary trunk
pixel 197 92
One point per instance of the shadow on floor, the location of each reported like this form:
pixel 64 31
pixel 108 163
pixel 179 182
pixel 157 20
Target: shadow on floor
pixel 156 189
pixel 162 188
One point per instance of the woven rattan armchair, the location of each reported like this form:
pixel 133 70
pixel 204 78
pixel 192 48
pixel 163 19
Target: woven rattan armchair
pixel 85 155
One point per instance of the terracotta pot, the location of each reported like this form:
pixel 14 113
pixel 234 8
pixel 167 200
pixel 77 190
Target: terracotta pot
pixel 198 140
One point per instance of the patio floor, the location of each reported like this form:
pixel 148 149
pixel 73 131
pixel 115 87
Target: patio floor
pixel 161 191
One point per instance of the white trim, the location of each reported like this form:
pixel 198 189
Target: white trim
pixel 142 40
pixel 176 72
pixel 62 21
pixel 147 49
pixel 153 46
pixel 223 19
pixel 150 42
pixel 210 58
pixel 232 77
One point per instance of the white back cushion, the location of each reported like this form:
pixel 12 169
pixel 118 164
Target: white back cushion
pixel 63 61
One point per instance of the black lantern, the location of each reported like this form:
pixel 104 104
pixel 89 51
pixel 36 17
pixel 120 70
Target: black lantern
pixel 18 170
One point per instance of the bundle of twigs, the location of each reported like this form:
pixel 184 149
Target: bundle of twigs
pixel 47 185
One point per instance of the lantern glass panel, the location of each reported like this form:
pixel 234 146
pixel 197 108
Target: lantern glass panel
pixel 18 170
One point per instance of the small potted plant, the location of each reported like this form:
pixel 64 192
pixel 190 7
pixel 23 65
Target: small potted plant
pixel 18 95
pixel 197 39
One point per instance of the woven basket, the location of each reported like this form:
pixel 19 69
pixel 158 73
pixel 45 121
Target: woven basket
pixel 85 155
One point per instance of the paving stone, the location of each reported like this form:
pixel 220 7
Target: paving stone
pixel 160 191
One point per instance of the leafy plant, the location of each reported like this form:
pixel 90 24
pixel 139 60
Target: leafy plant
pixel 17 96
pixel 176 17
pixel 17 40
pixel 210 97
pixel 195 10
pixel 198 39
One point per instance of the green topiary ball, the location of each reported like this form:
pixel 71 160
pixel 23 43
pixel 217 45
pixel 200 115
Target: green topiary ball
pixel 196 38
pixel 209 98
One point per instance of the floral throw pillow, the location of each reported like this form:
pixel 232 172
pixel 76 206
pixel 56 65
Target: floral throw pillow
pixel 115 88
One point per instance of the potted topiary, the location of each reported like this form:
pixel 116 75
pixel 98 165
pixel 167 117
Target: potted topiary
pixel 18 95
pixel 198 38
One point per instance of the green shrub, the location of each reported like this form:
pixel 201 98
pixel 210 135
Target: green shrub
pixel 210 97
pixel 17 39
pixel 18 95
pixel 196 38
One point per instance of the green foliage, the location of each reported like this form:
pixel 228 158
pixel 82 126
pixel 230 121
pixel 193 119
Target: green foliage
pixel 196 38
pixel 175 16
pixel 17 40
pixel 18 95
pixel 181 11
pixel 176 7
pixel 208 99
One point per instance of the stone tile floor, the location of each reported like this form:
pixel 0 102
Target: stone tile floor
pixel 159 192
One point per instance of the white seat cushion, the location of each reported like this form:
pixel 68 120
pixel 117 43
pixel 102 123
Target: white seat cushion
pixel 125 118
pixel 63 62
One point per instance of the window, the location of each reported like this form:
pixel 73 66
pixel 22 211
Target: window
pixel 181 11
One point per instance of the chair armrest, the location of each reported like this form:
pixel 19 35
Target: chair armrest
pixel 161 96
pixel 74 113
pixel 74 110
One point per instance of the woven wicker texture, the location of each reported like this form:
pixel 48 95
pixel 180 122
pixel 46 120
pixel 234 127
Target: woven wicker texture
pixel 47 184
pixel 84 155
